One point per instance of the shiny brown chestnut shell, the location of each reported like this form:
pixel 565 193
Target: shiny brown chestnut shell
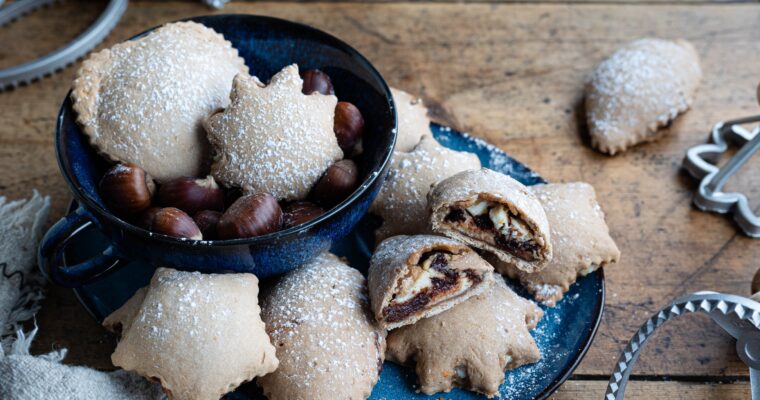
pixel 315 80
pixel 207 221
pixel 191 195
pixel 250 215
pixel 337 183
pixel 348 126
pixel 127 189
pixel 300 212
pixel 174 222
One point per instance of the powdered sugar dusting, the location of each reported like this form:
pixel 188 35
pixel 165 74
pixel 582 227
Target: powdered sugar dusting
pixel 143 101
pixel 274 139
pixel 327 344
pixel 639 88
pixel 413 122
pixel 191 323
pixel 402 202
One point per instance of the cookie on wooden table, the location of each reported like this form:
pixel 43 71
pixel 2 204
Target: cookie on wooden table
pixel 274 138
pixel 143 101
pixel 199 335
pixel 471 345
pixel 493 212
pixel 402 201
pixel 413 121
pixel 328 345
pixel 580 239
pixel 414 277
pixel 640 89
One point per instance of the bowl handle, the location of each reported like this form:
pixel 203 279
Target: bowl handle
pixel 51 251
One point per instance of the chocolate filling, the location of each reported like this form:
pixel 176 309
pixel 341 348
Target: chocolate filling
pixel 456 215
pixel 400 311
pixel 525 249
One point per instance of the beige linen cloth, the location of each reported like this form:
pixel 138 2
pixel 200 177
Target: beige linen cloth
pixel 27 377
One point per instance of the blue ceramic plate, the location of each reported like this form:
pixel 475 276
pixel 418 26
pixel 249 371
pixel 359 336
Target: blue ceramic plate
pixel 563 335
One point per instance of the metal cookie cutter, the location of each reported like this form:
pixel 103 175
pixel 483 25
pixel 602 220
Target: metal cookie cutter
pixel 700 162
pixel 739 316
pixel 62 57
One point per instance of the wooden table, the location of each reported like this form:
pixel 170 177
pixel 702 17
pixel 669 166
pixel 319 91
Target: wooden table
pixel 513 74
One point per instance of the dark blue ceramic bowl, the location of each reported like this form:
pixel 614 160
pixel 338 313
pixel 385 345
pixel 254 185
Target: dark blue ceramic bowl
pixel 267 45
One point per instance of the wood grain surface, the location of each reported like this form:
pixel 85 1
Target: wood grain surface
pixel 512 74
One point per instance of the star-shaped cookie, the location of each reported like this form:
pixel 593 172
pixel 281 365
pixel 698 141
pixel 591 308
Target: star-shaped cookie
pixel 185 324
pixel 413 121
pixel 273 138
pixel 581 241
pixel 402 202
pixel 470 345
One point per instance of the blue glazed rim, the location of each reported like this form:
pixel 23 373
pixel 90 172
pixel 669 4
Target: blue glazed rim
pixel 599 311
pixel 376 172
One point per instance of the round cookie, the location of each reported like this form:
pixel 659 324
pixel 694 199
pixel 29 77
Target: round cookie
pixel 328 345
pixel 273 138
pixel 402 201
pixel 143 101
pixel 413 121
pixel 641 88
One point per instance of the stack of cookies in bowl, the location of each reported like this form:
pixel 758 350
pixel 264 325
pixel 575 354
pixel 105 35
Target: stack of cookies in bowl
pixel 204 154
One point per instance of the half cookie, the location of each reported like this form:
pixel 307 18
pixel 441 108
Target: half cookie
pixel 327 343
pixel 580 238
pixel 471 345
pixel 414 277
pixel 492 212
pixel 639 89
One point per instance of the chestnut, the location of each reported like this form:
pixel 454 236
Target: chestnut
pixel 315 80
pixel 127 189
pixel 145 219
pixel 250 215
pixel 300 212
pixel 174 222
pixel 338 182
pixel 207 220
pixel 348 125
pixel 191 195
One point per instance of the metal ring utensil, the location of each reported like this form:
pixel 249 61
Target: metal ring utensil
pixel 739 316
pixel 62 57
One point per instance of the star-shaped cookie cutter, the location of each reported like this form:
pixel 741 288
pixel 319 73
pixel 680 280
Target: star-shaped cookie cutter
pixel 701 160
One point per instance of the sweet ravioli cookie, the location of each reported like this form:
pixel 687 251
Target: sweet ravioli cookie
pixel 580 238
pixel 414 277
pixel 402 200
pixel 185 325
pixel 495 213
pixel 413 121
pixel 328 345
pixel 638 90
pixel 470 345
pixel 143 101
pixel 274 138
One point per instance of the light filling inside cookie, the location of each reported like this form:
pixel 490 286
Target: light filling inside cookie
pixel 495 224
pixel 434 279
